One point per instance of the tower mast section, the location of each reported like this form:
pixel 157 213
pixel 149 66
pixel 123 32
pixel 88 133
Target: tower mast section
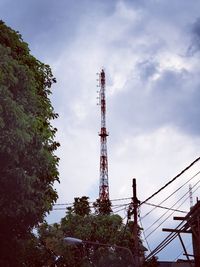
pixel 103 185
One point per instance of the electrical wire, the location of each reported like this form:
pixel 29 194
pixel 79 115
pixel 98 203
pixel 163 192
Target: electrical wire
pixel 119 210
pixel 162 221
pixel 164 243
pixel 182 252
pixel 91 202
pixel 172 180
pixel 173 206
pixel 143 232
pixel 168 211
pixel 116 206
pixel 120 205
pixel 180 228
pixel 169 238
pixel 157 206
pixel 58 209
pixel 171 194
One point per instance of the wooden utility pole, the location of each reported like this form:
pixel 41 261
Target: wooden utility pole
pixel 135 225
pixel 194 223
pixel 191 225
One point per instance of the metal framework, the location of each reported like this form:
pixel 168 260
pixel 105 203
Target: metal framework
pixel 190 224
pixel 103 185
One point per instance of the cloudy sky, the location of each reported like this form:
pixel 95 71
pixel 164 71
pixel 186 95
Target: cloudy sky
pixel 150 51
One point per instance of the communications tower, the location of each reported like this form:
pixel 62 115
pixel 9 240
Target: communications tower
pixel 103 185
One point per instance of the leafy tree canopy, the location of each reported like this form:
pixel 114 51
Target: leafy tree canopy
pixel 91 227
pixel 102 207
pixel 28 166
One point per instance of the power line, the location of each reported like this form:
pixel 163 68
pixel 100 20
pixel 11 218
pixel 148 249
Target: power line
pixel 114 207
pixel 116 211
pixel 58 209
pixel 157 206
pixel 170 213
pixel 143 232
pixel 182 252
pixel 165 242
pixel 171 194
pixel 177 176
pixel 163 220
pixel 62 204
pixel 170 237
pixel 119 206
pixel 91 202
pixel 143 202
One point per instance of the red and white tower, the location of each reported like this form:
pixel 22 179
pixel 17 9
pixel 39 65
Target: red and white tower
pixel 103 185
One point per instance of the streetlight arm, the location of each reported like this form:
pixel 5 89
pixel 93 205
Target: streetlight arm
pixel 73 241
pixel 77 241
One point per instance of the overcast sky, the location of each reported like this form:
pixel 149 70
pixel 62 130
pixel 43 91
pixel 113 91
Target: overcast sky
pixel 150 51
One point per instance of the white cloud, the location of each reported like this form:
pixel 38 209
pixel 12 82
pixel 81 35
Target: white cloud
pixel 153 158
pixel 152 92
pixel 142 142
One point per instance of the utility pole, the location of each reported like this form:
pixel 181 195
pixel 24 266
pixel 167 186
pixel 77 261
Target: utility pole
pixel 190 224
pixel 194 223
pixel 135 225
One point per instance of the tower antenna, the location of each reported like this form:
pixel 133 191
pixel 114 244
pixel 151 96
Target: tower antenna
pixel 103 185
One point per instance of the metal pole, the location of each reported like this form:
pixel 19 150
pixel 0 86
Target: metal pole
pixel 135 225
pixel 77 241
pixel 184 248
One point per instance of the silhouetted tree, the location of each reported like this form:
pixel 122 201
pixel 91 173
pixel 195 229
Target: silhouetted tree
pixel 99 228
pixel 28 166
pixel 102 207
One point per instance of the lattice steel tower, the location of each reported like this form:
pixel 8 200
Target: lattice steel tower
pixel 103 185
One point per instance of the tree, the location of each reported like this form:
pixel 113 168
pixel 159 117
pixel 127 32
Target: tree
pixel 28 166
pixel 81 206
pixel 102 207
pixel 92 227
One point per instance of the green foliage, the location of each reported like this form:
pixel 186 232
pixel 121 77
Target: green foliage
pixel 102 206
pixel 32 253
pixel 28 166
pixel 81 206
pixel 91 227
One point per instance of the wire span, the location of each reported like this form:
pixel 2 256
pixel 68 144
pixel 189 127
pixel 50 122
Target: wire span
pixel 177 176
pixel 171 194
pixel 157 206
pixel 171 212
pixel 90 202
